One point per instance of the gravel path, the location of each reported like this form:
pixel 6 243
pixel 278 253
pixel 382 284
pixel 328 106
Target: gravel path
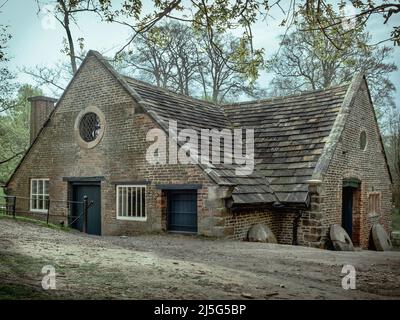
pixel 166 266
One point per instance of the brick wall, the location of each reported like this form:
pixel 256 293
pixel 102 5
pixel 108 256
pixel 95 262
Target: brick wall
pixel 120 156
pixel 39 113
pixel 281 223
pixel 349 161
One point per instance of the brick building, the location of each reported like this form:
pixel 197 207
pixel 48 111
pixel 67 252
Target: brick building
pixel 319 160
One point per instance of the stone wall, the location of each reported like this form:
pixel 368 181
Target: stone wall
pixel 350 161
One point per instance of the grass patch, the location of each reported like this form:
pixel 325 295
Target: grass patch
pixel 22 292
pixel 37 222
pixel 396 219
pixel 21 277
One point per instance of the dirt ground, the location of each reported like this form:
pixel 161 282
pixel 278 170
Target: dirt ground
pixel 165 266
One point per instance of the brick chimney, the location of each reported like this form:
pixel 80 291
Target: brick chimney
pixel 41 108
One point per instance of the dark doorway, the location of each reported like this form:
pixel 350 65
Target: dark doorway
pixel 92 191
pixel 347 210
pixel 182 210
pixel 351 216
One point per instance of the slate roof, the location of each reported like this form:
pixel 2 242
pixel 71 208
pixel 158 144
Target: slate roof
pixel 290 134
pixel 196 114
pixel 189 112
pixel 294 136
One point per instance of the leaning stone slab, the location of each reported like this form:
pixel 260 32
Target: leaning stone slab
pixel 340 239
pixel 380 238
pixel 261 233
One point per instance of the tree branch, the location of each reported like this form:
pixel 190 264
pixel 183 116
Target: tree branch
pixel 12 157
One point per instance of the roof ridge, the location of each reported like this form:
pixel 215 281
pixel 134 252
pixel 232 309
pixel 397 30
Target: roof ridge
pixel 338 127
pixel 346 84
pixel 220 106
pixel 169 91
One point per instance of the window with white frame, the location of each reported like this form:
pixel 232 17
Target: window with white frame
pixel 131 202
pixel 374 203
pixel 39 194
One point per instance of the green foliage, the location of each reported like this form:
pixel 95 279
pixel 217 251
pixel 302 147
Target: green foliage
pixel 324 16
pixel 14 131
pixel 7 85
pixel 211 18
pixel 222 16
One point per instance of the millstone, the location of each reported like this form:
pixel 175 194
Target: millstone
pixel 380 238
pixel 261 233
pixel 340 239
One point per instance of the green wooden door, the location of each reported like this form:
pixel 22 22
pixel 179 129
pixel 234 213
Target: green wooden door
pixel 92 191
pixel 182 211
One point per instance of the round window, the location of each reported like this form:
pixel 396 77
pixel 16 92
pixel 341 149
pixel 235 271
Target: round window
pixel 363 140
pixel 89 127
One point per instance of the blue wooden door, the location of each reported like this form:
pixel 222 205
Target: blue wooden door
pixel 182 211
pixel 347 210
pixel 92 191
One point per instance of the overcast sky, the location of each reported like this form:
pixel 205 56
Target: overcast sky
pixel 35 43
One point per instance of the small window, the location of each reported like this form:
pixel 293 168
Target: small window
pixel 363 140
pixel 89 127
pixel 374 203
pixel 131 202
pixel 39 195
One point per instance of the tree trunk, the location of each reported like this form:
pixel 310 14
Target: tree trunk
pixel 69 36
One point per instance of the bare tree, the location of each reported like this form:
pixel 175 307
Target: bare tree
pixel 54 78
pixel 220 76
pixel 215 18
pixel 181 54
pixel 66 12
pixel 149 59
pixel 210 17
pixel 166 56
pixel 177 57
pixel 218 17
pixel 308 60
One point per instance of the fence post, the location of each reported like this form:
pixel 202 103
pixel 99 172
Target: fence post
pixel 85 213
pixel 48 211
pixel 14 206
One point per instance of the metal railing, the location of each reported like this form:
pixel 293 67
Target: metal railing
pixel 8 205
pixel 16 206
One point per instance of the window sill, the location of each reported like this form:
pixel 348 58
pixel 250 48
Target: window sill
pixel 38 211
pixel 132 219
